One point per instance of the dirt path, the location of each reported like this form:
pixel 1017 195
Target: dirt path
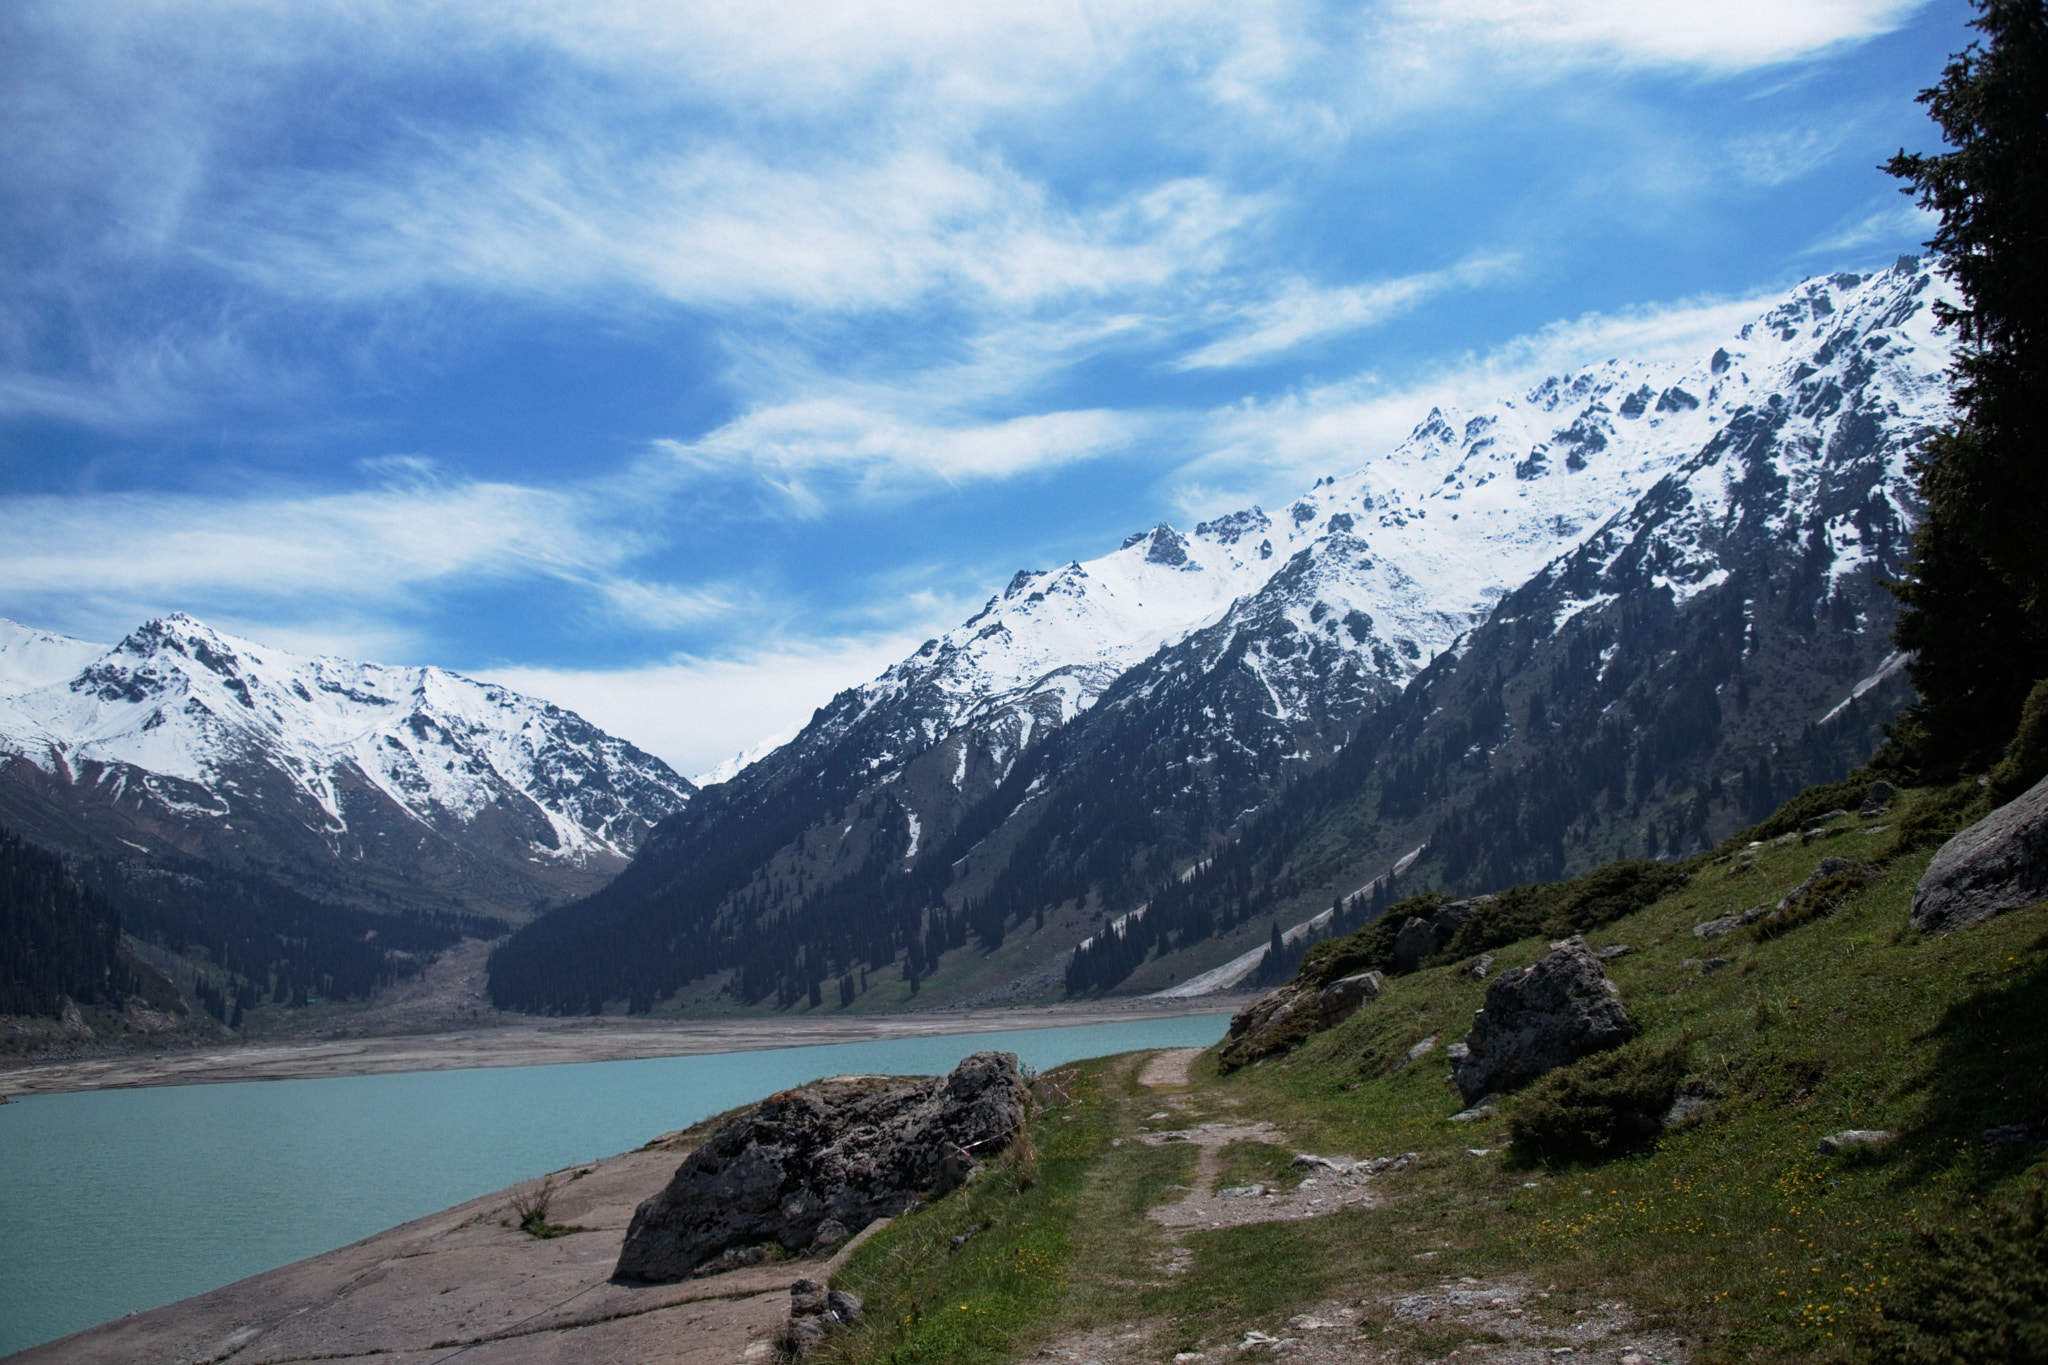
pixel 1503 1323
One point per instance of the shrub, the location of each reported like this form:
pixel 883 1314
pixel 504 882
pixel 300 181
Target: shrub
pixel 2026 758
pixel 1967 1296
pixel 1597 1107
pixel 1370 949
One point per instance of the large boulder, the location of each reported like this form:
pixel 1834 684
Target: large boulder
pixel 1539 1018
pixel 1998 864
pixel 842 1152
pixel 1280 1020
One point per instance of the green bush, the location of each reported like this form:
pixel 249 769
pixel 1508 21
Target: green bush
pixel 1967 1296
pixel 1555 909
pixel 1370 949
pixel 1804 809
pixel 1597 1107
pixel 2026 758
pixel 1818 901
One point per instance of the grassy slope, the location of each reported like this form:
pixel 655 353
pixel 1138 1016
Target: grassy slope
pixel 1736 1233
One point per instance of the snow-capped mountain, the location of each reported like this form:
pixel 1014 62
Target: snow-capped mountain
pixel 184 738
pixel 1420 542
pixel 1096 729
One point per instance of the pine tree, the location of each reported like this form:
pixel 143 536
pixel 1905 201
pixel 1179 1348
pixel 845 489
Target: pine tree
pixel 1976 595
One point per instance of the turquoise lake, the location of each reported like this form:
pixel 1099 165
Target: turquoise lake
pixel 115 1201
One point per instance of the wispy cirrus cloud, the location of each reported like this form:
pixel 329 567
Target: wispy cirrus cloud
pixel 1301 312
pixel 1731 36
pixel 808 451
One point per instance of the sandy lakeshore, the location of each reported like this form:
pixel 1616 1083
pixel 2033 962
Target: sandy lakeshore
pixel 546 1042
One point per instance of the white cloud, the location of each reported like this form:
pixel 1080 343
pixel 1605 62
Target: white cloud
pixel 1302 312
pixel 1893 224
pixel 810 450
pixel 697 713
pixel 377 546
pixel 1733 35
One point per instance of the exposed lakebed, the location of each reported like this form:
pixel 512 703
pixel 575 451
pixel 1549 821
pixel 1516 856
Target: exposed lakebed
pixel 119 1200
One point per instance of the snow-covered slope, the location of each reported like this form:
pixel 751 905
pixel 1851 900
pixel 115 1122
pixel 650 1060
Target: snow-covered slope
pixel 31 658
pixel 1424 539
pixel 201 735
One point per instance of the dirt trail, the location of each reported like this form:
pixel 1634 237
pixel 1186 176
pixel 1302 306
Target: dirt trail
pixel 1504 1323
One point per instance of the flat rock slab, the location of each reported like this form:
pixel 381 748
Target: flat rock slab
pixel 462 1279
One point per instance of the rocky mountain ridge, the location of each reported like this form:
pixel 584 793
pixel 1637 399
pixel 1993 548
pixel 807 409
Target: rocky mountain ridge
pixel 1029 770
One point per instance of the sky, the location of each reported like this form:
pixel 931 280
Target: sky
pixel 686 363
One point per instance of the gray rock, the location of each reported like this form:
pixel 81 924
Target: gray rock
pixel 1482 1110
pixel 1478 966
pixel 1340 999
pixel 806 1299
pixel 1998 864
pixel 1539 1018
pixel 1614 950
pixel 848 1151
pixel 1827 867
pixel 1878 800
pixel 1685 1111
pixel 1714 928
pixel 1418 1052
pixel 830 1233
pixel 1419 938
pixel 1855 1139
pixel 843 1307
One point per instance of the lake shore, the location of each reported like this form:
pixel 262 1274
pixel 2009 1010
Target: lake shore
pixel 545 1042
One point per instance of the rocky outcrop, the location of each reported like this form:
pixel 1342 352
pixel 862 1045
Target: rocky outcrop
pixel 824 1162
pixel 1279 1020
pixel 1998 864
pixel 813 1310
pixel 1539 1018
pixel 1423 938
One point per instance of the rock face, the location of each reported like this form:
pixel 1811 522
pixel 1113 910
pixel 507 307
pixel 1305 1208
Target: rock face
pixel 844 1151
pixel 1542 1017
pixel 1998 864
pixel 1279 1020
pixel 1424 938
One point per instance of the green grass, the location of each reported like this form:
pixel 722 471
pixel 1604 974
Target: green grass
pixel 1735 1233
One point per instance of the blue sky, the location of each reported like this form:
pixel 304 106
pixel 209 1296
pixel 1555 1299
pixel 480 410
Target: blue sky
pixel 687 363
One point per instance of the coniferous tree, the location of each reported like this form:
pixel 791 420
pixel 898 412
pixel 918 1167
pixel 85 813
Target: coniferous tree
pixel 1976 594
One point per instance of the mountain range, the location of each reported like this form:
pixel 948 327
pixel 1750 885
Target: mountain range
pixel 386 788
pixel 1608 616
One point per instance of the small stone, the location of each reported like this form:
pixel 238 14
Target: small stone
pixel 1419 1051
pixel 842 1307
pixel 1712 965
pixel 1612 951
pixel 830 1233
pixel 806 1299
pixel 1478 966
pixel 1241 1192
pixel 1855 1139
